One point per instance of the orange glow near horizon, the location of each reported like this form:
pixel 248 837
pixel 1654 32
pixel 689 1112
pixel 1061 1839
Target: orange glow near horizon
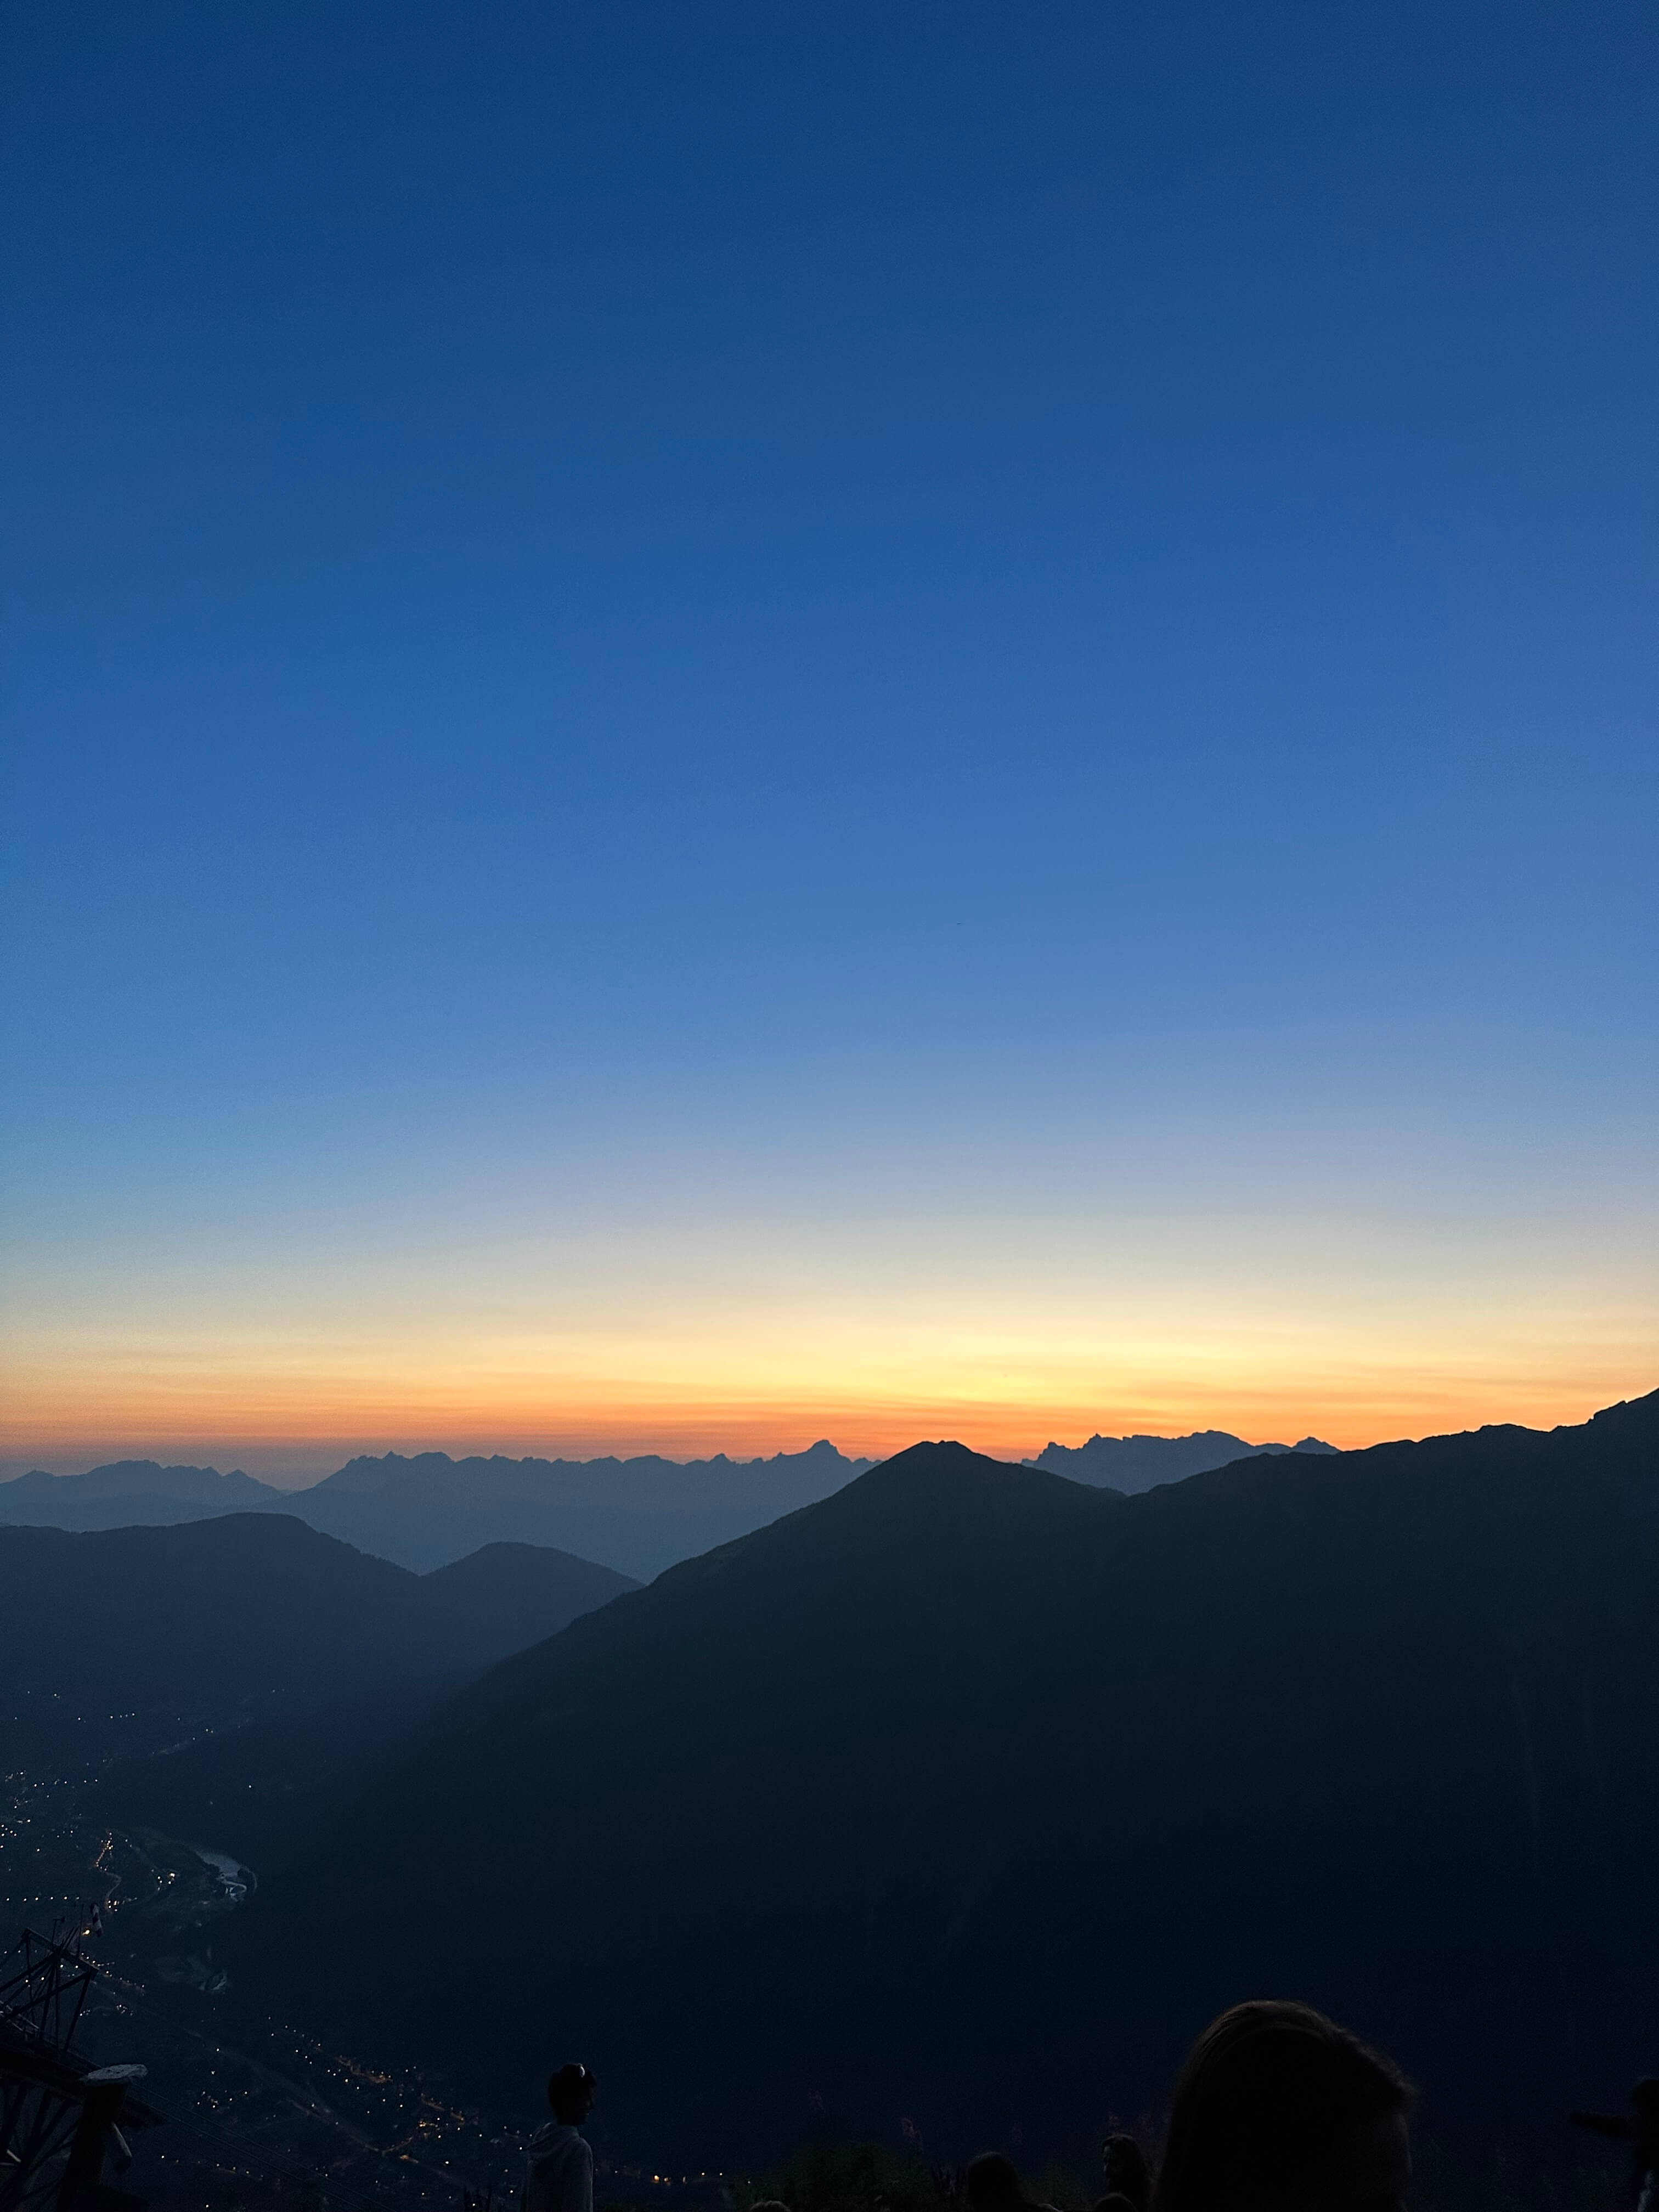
pixel 679 1341
pixel 294 1428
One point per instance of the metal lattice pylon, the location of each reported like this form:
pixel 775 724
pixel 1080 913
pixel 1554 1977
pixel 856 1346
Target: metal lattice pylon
pixel 41 2094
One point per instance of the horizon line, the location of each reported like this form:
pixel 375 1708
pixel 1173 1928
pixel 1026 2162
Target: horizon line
pixel 324 1456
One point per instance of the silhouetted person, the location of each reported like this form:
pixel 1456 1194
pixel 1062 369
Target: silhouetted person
pixel 1277 2108
pixel 1640 2128
pixel 991 2183
pixel 1644 2165
pixel 1115 2201
pixel 1124 2171
pixel 560 2169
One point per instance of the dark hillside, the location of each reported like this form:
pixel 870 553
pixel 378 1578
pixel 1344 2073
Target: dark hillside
pixel 238 1678
pixel 262 1783
pixel 971 1792
pixel 504 1597
pixel 201 1616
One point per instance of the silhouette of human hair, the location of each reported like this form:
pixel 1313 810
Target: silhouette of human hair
pixel 1124 2167
pixel 569 2093
pixel 991 2183
pixel 1268 2093
pixel 1115 2201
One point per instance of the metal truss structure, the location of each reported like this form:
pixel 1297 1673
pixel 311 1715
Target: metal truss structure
pixel 58 2119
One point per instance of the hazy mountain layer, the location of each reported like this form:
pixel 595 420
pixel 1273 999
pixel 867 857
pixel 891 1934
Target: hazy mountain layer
pixel 634 1516
pixel 1135 1464
pixel 637 1515
pixel 216 1620
pixel 131 1491
pixel 969 1793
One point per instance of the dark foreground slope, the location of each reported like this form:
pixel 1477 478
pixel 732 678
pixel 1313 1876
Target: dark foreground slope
pixel 968 1794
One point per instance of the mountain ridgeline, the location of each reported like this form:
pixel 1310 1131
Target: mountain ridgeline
pixel 634 1516
pixel 132 1492
pixel 971 1791
pixel 1136 1463
pixel 637 1515
pixel 253 1603
pixel 229 1678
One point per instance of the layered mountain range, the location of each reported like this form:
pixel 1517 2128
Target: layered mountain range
pixel 636 1515
pixel 241 1605
pixel 132 1492
pixel 961 1796
pixel 968 1794
pixel 1135 1464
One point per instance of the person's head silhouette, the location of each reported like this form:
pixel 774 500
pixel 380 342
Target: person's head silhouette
pixel 1123 2170
pixel 992 2185
pixel 570 2094
pixel 1279 2110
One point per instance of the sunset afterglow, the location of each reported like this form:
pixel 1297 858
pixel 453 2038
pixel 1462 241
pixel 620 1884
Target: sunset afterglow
pixel 825 733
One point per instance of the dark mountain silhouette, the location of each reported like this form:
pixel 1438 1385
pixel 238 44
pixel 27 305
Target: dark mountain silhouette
pixel 636 1515
pixel 1135 1464
pixel 206 1616
pixel 969 1793
pixel 132 1491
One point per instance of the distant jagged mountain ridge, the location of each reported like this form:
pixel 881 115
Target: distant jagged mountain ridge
pixel 634 1516
pixel 638 1515
pixel 131 1492
pixel 1131 1464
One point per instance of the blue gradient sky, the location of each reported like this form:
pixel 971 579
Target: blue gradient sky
pixel 724 721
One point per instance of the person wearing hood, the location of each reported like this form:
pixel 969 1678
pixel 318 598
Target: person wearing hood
pixel 560 2174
